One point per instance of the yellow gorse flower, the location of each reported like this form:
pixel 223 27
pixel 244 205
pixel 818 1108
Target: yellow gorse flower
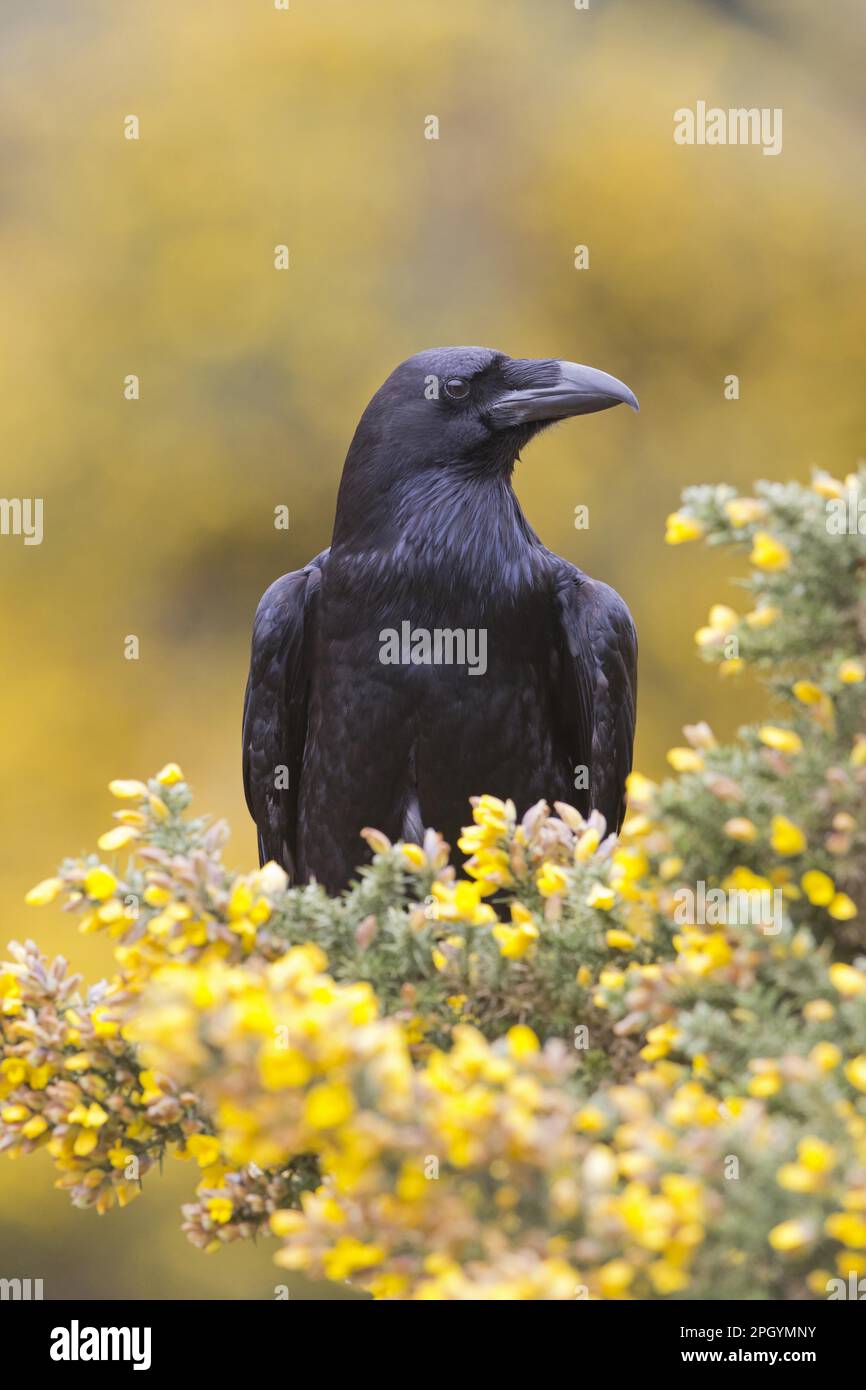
pixel 744 511
pixel 462 903
pixel 169 775
pixel 851 672
pixel 769 553
pixel 550 880
pixel 680 528
pixel 45 892
pixel 685 760
pixel 781 740
pixel 786 837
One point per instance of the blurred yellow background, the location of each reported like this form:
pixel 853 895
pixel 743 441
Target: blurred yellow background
pixel 155 257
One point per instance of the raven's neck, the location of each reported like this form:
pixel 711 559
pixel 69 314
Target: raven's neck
pixel 443 524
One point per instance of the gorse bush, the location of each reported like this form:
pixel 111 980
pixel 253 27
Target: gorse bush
pixel 585 1066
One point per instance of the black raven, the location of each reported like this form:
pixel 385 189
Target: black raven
pixel 437 650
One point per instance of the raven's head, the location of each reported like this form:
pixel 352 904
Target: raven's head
pixel 476 404
pixel 461 412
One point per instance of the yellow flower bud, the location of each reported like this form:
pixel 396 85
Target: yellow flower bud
pixel 169 775
pixel 522 1042
pixel 818 887
pixel 328 1105
pixel 815 1154
pixel 825 1055
pixel 741 828
pixel 205 1149
pixel 842 908
pixel 681 528
pixel 780 740
pixel 615 1277
pixel 826 485
pixel 807 692
pixel 415 856
pixel 731 666
pixel 742 511
pixel 786 837
pixel 34 1127
pixel 723 618
pixel 117 838
pixel 619 940
pixel 685 760
pixel 44 892
pixel 99 883
pixel 127 790
pixel 769 553
pixel 601 896
pixel 855 1071
pixel 763 616
pixel 790 1236
pixel 550 879
pixel 847 980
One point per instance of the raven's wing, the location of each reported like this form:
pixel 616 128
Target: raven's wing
pixel 598 651
pixel 275 710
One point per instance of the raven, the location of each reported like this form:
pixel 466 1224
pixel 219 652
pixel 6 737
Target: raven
pixel 361 706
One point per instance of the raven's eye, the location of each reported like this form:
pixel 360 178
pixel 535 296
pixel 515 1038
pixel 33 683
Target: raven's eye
pixel 456 388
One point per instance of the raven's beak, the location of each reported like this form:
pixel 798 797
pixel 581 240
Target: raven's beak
pixel 578 391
